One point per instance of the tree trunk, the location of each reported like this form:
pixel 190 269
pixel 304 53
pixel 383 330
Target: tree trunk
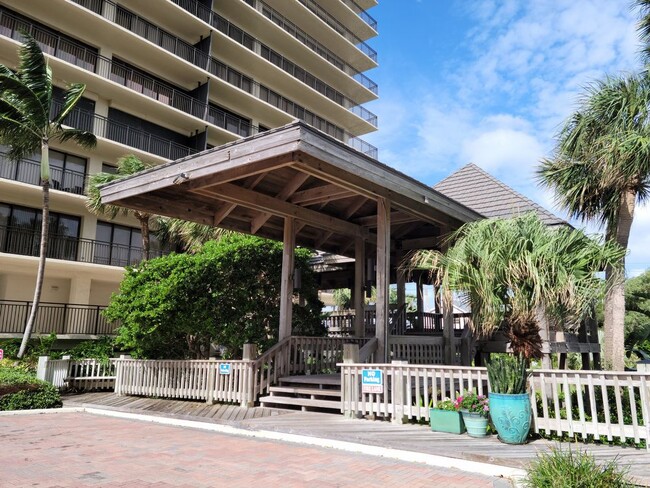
pixel 45 226
pixel 618 231
pixel 144 229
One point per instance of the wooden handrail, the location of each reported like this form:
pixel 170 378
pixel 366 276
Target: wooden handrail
pixel 367 352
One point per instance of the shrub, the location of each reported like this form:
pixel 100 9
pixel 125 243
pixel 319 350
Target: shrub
pixel 571 469
pixel 102 349
pixel 19 390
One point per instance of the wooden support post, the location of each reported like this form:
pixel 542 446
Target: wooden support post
pixel 448 332
pixel 286 284
pixel 383 277
pixel 401 281
pixel 420 304
pixel 213 371
pixel 592 330
pixel 359 298
pixel 350 353
pixel 545 334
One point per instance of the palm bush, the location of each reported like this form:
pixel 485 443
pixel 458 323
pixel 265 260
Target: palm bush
pixel 507 374
pixel 571 469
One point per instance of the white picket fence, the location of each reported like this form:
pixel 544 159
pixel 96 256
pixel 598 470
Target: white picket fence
pixel 85 374
pixel 209 380
pixel 575 403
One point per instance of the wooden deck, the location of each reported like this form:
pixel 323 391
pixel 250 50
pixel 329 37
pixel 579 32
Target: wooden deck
pixel 417 438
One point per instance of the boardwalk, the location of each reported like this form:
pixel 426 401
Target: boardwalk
pixel 415 438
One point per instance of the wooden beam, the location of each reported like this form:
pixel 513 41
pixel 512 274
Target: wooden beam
pixel 225 210
pixel 359 302
pixel 182 208
pixel 288 190
pixel 286 282
pixel 395 218
pixel 352 209
pixel 265 203
pixel 383 278
pixel 323 193
pixel 419 243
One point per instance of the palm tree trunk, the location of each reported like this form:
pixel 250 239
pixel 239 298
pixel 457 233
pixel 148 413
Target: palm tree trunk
pixel 45 221
pixel 144 229
pixel 615 295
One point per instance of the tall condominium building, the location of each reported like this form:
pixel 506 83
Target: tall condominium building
pixel 165 79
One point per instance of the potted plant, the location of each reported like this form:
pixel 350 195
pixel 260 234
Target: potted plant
pixel 509 401
pixel 475 411
pixel 444 417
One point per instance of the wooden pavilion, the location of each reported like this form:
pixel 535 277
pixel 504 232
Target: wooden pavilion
pixel 300 186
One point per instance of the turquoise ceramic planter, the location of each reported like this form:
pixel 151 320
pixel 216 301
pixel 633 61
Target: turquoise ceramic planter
pixel 476 424
pixel 446 421
pixel 510 415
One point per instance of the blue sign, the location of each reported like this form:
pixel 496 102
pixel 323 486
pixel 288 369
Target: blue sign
pixel 224 368
pixel 372 381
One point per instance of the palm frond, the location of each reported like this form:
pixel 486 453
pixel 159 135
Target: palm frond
pixel 70 98
pixel 35 74
pixel 81 137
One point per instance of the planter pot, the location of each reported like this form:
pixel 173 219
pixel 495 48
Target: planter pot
pixel 476 424
pixel 446 421
pixel 511 416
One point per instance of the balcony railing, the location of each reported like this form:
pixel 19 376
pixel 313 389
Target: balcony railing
pixel 58 318
pixel 363 14
pixel 29 171
pixel 26 242
pixel 340 28
pixel 186 51
pixel 205 14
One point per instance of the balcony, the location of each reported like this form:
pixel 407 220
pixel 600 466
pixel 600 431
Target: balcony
pixel 193 55
pixel 29 171
pixel 365 16
pixel 26 242
pixel 58 318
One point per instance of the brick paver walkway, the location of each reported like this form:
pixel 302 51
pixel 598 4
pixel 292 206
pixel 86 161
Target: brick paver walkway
pixel 79 450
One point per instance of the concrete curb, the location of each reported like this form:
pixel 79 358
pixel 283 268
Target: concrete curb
pixel 485 469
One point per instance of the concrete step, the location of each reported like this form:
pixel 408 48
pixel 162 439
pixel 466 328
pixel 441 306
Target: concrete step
pixel 318 392
pixel 303 403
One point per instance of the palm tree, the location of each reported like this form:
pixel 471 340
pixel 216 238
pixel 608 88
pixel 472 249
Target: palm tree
pixel 600 170
pixel 508 271
pixel 126 166
pixel 188 236
pixel 29 122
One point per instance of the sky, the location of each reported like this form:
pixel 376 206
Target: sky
pixel 491 82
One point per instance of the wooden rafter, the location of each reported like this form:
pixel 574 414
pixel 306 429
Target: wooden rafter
pixel 289 189
pixel 321 194
pixel 225 209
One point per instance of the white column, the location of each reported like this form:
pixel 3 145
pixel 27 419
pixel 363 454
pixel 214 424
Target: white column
pixel 286 284
pixel 383 277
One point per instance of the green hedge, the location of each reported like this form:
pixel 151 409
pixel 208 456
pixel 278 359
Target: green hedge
pixel 19 390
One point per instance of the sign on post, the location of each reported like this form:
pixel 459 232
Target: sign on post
pixel 224 368
pixel 372 381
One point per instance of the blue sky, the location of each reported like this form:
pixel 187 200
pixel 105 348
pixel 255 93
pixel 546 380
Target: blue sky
pixel 490 82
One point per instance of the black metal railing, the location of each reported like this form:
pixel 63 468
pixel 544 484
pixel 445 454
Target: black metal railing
pixel 26 242
pixel 29 171
pixel 58 318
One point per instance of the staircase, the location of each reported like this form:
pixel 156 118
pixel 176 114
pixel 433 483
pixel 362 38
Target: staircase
pixel 320 392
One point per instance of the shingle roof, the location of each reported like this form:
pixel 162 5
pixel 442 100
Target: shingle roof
pixel 483 193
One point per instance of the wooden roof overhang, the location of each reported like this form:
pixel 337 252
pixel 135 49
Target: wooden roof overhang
pixel 295 171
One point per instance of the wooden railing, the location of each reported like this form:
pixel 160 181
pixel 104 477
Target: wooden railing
pixel 209 380
pixel 368 350
pixel 592 403
pixel 85 374
pixel 407 390
pixel 589 404
pixel 299 355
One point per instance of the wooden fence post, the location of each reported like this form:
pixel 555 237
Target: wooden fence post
pixel 248 395
pixel 399 392
pixel 212 379
pixel 42 371
pixel 348 389
pixel 448 334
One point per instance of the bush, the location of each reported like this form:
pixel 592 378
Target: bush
pixel 571 469
pixel 19 390
pixel 101 349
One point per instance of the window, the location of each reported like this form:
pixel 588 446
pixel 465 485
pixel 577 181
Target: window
pixel 107 168
pixel 20 232
pixel 67 172
pixel 118 245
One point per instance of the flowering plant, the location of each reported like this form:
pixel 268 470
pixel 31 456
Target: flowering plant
pixel 473 403
pixel 446 404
